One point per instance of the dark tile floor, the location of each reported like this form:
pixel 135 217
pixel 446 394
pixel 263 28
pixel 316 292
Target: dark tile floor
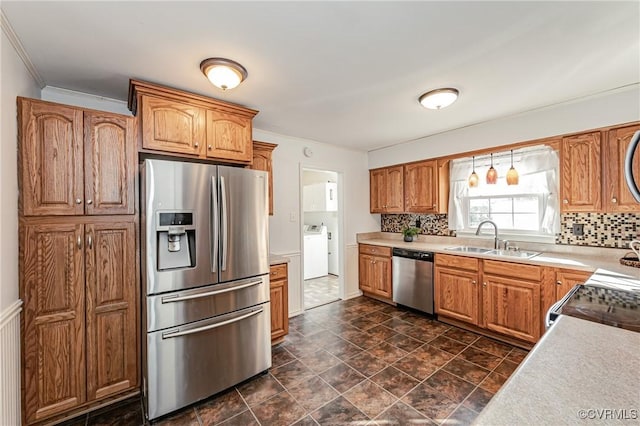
pixel 358 361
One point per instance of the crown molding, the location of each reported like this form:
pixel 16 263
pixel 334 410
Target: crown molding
pixel 7 29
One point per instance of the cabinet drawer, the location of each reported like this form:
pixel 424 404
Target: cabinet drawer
pixel 278 272
pixel 459 262
pixel 375 250
pixel 509 269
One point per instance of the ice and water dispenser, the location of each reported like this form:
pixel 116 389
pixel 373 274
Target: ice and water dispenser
pixel 176 238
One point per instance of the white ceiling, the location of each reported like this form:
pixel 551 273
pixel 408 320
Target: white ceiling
pixel 345 73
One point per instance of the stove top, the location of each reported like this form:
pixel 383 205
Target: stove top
pixel 611 305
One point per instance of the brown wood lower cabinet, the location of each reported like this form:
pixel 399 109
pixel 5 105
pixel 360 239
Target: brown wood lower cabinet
pixel 80 318
pixel 279 302
pixel 374 270
pixel 508 301
pixel 456 288
pixel 566 279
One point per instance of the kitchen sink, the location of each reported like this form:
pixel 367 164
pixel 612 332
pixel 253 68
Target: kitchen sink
pixel 513 253
pixel 467 249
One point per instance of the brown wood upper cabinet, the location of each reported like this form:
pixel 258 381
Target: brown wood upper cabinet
pixel 190 125
pixel 74 162
pixel 78 282
pixel 426 187
pixel 581 184
pixel 262 160
pixel 386 190
pixel 616 195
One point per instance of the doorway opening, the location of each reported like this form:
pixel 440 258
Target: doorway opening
pixel 321 251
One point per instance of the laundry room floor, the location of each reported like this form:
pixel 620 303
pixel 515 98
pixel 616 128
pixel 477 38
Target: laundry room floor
pixel 320 291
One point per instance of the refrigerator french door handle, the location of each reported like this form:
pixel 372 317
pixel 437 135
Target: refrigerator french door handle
pixel 214 225
pixel 179 333
pixel 225 223
pixel 178 298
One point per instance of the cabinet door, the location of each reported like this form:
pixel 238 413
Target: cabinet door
pixel 262 160
pixel 172 126
pixel 581 185
pixel 567 279
pixel 111 308
pixel 52 287
pixel 377 191
pixel 365 273
pixel 456 294
pixel 381 280
pixel 512 307
pixel 110 160
pixel 394 186
pixel 421 187
pixel 51 163
pixel 617 197
pixel 229 137
pixel 279 309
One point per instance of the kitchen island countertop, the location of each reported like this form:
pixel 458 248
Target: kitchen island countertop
pixel 580 372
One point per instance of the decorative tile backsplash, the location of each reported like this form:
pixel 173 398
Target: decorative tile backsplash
pixel 430 224
pixel 601 230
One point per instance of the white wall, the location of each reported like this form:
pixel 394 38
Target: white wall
pixel 285 224
pixel 15 81
pixel 84 100
pixel 614 107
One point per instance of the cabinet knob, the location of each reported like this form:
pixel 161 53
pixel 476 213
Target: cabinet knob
pixel 473 282
pixel 90 242
pixel 565 201
pixel 484 284
pixel 434 206
pixel 196 144
pixel 89 201
pixel 78 201
pixel 209 147
pixel 559 282
pixel 614 200
pixel 79 243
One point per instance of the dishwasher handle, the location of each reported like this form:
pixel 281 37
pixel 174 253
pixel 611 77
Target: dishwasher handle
pixel 424 256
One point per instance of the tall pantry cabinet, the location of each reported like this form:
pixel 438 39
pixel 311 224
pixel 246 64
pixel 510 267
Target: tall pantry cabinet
pixel 78 273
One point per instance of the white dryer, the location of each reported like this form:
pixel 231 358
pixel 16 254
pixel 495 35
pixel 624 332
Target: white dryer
pixel 316 251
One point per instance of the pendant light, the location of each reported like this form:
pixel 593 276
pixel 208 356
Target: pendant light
pixel 512 174
pixel 473 179
pixel 492 174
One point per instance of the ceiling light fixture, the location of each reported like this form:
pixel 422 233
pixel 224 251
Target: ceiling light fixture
pixel 223 73
pixel 439 98
pixel 473 179
pixel 492 174
pixel 512 174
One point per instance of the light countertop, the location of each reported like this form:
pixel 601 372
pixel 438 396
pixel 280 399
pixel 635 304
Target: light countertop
pixel 578 367
pixel 275 259
pixel 571 257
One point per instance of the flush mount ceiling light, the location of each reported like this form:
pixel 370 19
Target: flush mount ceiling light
pixel 223 73
pixel 439 98
pixel 473 179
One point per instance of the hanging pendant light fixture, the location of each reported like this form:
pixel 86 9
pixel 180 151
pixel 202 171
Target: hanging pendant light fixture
pixel 512 174
pixel 473 179
pixel 492 174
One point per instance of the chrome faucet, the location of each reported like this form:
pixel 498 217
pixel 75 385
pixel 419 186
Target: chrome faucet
pixel 495 228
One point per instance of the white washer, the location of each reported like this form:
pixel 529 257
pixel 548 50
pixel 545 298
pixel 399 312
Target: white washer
pixel 316 251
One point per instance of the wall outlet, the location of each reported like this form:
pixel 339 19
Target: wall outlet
pixel 578 229
pixel 293 217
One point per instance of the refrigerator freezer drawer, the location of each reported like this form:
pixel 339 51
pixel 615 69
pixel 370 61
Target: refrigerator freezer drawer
pixel 188 363
pixel 185 306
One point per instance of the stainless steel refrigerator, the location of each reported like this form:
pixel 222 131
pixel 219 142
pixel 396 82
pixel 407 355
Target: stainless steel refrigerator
pixel 205 272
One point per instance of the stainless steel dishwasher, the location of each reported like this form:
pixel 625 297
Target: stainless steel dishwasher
pixel 413 279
